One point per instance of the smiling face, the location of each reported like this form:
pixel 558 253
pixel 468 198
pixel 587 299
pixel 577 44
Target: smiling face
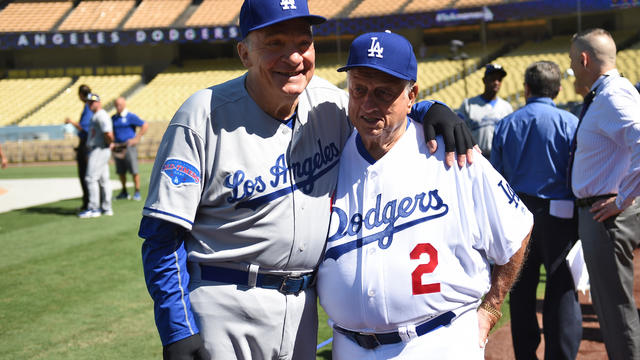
pixel 280 60
pixel 378 106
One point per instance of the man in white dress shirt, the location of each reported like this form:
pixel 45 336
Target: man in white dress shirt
pixel 605 177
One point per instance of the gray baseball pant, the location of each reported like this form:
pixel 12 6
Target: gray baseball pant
pixel 97 179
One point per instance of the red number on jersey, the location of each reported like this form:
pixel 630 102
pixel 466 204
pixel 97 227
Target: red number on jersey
pixel 416 275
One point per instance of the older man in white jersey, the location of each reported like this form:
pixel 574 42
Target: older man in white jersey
pixel 407 260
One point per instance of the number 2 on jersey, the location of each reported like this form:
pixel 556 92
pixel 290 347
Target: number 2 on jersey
pixel 416 276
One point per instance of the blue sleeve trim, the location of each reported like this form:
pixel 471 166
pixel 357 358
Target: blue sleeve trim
pixel 164 260
pixel 419 110
pixel 168 214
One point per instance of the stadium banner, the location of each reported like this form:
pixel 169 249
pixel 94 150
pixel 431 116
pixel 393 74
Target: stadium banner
pixel 111 38
pixel 517 10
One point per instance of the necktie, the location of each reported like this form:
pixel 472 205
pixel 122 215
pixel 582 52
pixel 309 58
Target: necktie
pixel 574 143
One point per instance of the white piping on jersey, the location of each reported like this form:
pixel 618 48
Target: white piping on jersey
pixel 184 304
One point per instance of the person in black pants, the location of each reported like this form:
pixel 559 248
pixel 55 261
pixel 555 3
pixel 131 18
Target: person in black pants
pixel 82 127
pixel 531 150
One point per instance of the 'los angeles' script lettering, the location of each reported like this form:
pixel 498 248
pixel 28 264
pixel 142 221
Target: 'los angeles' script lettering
pixel 305 173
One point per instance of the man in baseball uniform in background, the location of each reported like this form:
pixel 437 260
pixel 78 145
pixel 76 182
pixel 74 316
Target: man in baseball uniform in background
pixel 482 112
pixel 241 185
pixel 125 151
pixel 99 138
pixel 531 150
pixel 407 260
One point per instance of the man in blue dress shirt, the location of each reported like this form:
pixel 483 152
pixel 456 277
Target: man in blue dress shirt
pixel 125 152
pixel 531 150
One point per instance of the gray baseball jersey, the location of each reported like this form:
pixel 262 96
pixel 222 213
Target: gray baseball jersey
pixel 252 191
pixel 481 117
pixel 100 124
pixel 249 188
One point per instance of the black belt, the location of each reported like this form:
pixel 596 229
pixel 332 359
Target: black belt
pixel 372 340
pixel 286 284
pixel 588 201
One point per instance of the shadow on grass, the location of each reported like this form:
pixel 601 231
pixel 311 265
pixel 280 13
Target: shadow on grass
pixel 324 354
pixel 53 210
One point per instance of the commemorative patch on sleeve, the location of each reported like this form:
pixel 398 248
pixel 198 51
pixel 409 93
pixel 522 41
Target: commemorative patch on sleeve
pixel 181 172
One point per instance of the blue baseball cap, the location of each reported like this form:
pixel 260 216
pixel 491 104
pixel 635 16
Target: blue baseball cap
pixel 385 51
pixel 257 14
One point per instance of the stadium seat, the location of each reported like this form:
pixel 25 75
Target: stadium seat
pixel 216 12
pixel 109 87
pixel 476 3
pixel 417 6
pixel 160 99
pixel 376 8
pixel 29 94
pixel 32 15
pixel 97 15
pixel 330 9
pixel 156 13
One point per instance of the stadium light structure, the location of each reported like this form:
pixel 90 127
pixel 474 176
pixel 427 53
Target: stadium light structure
pixel 458 54
pixel 579 11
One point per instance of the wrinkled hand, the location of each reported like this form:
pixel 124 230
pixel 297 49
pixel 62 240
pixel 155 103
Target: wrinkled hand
pixel 190 348
pixel 604 209
pixel 486 322
pixel 456 135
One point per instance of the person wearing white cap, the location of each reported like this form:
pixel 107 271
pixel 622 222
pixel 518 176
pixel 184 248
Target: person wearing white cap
pixel 100 136
pixel 238 204
pixel 406 264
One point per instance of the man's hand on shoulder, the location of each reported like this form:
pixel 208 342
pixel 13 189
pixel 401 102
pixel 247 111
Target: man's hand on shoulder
pixel 440 120
pixel 190 348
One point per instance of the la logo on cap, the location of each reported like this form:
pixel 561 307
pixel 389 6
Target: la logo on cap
pixel 288 4
pixel 375 49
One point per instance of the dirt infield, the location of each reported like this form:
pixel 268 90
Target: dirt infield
pixel 500 346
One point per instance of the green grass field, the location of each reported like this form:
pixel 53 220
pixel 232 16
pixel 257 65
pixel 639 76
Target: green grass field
pixel 74 289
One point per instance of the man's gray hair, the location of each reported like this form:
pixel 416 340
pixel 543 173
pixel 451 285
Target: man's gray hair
pixel 543 79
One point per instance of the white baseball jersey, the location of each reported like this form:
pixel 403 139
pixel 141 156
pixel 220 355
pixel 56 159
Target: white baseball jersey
pixel 410 239
pixel 481 117
pixel 249 188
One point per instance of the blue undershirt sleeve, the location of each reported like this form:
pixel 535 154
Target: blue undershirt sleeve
pixel 419 110
pixel 164 260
